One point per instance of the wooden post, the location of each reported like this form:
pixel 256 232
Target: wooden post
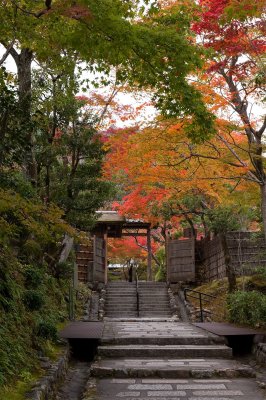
pixel 167 257
pixel 149 270
pixel 105 238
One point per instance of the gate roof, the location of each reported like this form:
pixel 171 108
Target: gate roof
pixel 116 225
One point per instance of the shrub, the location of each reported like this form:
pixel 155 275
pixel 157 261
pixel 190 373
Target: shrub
pixel 33 277
pixel 33 300
pixel 46 330
pixel 247 308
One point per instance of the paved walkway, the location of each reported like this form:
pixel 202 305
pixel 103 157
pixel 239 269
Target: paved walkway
pixel 173 389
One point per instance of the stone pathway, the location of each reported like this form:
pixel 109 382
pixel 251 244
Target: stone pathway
pixel 173 389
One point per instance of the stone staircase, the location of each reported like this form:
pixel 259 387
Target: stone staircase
pixel 153 300
pixel 121 300
pixel 161 349
pixel 152 356
pixel 147 343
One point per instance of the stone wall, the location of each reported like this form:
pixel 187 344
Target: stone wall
pixel 46 387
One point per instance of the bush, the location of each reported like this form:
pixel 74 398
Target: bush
pixel 248 308
pixel 33 300
pixel 46 330
pixel 33 277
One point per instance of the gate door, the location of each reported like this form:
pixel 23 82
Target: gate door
pixel 99 261
pixel 180 260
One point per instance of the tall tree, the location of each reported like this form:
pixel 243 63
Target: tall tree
pixel 234 33
pixel 166 175
pixel 149 50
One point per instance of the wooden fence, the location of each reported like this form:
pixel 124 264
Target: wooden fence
pixel 246 253
pixel 180 260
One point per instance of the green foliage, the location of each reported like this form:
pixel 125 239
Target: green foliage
pixel 69 154
pixel 33 276
pixel 29 289
pixel 33 300
pixel 46 329
pixel 161 273
pixel 247 308
pixel 12 144
pixel 223 219
pixel 15 181
pixel 64 270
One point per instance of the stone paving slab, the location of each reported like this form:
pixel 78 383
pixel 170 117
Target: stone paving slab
pixel 145 331
pixel 173 389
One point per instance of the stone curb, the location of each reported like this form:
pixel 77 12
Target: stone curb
pixel 46 387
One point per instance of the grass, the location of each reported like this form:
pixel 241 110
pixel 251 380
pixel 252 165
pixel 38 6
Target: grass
pixel 18 390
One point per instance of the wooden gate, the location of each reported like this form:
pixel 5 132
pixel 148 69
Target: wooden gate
pixel 99 261
pixel 180 260
pixel 84 260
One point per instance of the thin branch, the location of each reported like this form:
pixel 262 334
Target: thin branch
pixel 7 52
pixel 48 4
pixel 145 248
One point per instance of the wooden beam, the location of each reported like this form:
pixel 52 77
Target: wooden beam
pixel 149 264
pixel 134 234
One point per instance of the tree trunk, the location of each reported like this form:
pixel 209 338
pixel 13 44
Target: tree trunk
pixel 23 62
pixel 263 207
pixel 230 273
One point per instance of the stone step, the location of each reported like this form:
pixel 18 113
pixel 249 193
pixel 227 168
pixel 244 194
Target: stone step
pixel 120 306
pixel 121 294
pixel 121 285
pixel 152 293
pixel 162 340
pixel 151 312
pixel 122 291
pixel 199 368
pixel 120 313
pixel 116 293
pixel 154 305
pixel 115 316
pixel 126 301
pixel 154 308
pixel 154 298
pixel 167 351
pixel 154 314
pixel 118 309
pixel 151 283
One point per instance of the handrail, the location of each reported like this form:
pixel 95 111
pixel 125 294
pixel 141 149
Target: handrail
pixel 137 289
pixel 201 299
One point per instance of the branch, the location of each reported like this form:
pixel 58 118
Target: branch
pixel 7 52
pixel 48 4
pixel 231 150
pixel 145 248
pixel 262 129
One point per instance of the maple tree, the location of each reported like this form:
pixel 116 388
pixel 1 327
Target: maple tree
pixel 234 34
pixel 167 178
